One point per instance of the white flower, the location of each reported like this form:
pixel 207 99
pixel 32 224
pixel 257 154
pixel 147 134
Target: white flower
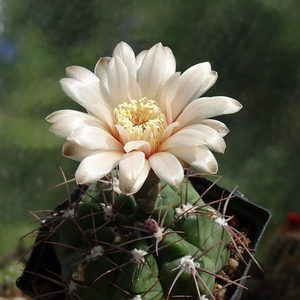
pixel 141 115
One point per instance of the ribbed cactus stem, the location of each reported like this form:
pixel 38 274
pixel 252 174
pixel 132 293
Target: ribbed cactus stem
pixel 146 197
pixel 161 243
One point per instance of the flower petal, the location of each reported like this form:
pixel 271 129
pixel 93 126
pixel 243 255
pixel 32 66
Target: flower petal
pixel 60 114
pixel 207 107
pixel 167 94
pixel 134 169
pixel 134 89
pixel 118 79
pixel 207 84
pixel 151 71
pixel 190 84
pixel 85 76
pixel 167 167
pixel 97 165
pixel 214 141
pixel 65 121
pixel 199 158
pixel 187 137
pixel 139 58
pixel 74 151
pixel 169 130
pixel 87 98
pixel 170 64
pixel 220 127
pixel 125 52
pixel 142 146
pixel 101 69
pixel 91 137
pixel 123 134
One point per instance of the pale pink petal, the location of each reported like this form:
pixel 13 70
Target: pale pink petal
pixel 167 167
pixel 87 98
pixel 142 146
pixel 139 58
pixel 167 94
pixel 67 120
pixel 125 52
pixel 101 69
pixel 207 107
pixel 134 89
pixel 124 136
pixel 169 130
pixel 84 75
pixel 60 114
pixel 169 70
pixel 74 151
pixel 170 67
pixel 190 84
pixel 97 165
pixel 199 158
pixel 118 79
pixel 220 127
pixel 91 137
pixel 134 169
pixel 185 138
pixel 207 84
pixel 151 71
pixel 214 141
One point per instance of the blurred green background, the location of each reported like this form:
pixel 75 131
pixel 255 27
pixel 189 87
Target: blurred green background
pixel 253 44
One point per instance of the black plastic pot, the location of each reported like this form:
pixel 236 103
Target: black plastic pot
pixel 35 280
pixel 43 259
pixel 248 213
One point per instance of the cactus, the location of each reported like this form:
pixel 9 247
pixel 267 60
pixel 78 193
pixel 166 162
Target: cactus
pixel 143 232
pixel 159 243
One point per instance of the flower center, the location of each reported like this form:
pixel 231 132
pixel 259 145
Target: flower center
pixel 143 120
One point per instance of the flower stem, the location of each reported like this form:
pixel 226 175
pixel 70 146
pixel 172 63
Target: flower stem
pixel 146 197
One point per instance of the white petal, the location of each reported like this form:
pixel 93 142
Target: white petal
pixel 214 141
pixel 151 71
pixel 207 107
pixel 207 84
pixel 60 114
pixel 170 64
pixel 199 158
pixel 168 130
pixel 167 167
pixel 97 165
pixel 118 79
pixel 185 138
pixel 134 169
pixel 167 94
pixel 123 134
pixel 125 52
pixel 67 120
pixel 142 146
pixel 74 151
pixel 169 68
pixel 139 58
pixel 91 137
pixel 134 89
pixel 220 127
pixel 87 98
pixel 101 69
pixel 190 84
pixel 84 75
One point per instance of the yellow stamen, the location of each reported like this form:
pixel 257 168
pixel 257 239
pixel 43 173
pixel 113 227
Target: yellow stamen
pixel 143 120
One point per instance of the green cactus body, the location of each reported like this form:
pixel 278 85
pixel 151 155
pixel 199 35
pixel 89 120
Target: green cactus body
pixel 114 247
